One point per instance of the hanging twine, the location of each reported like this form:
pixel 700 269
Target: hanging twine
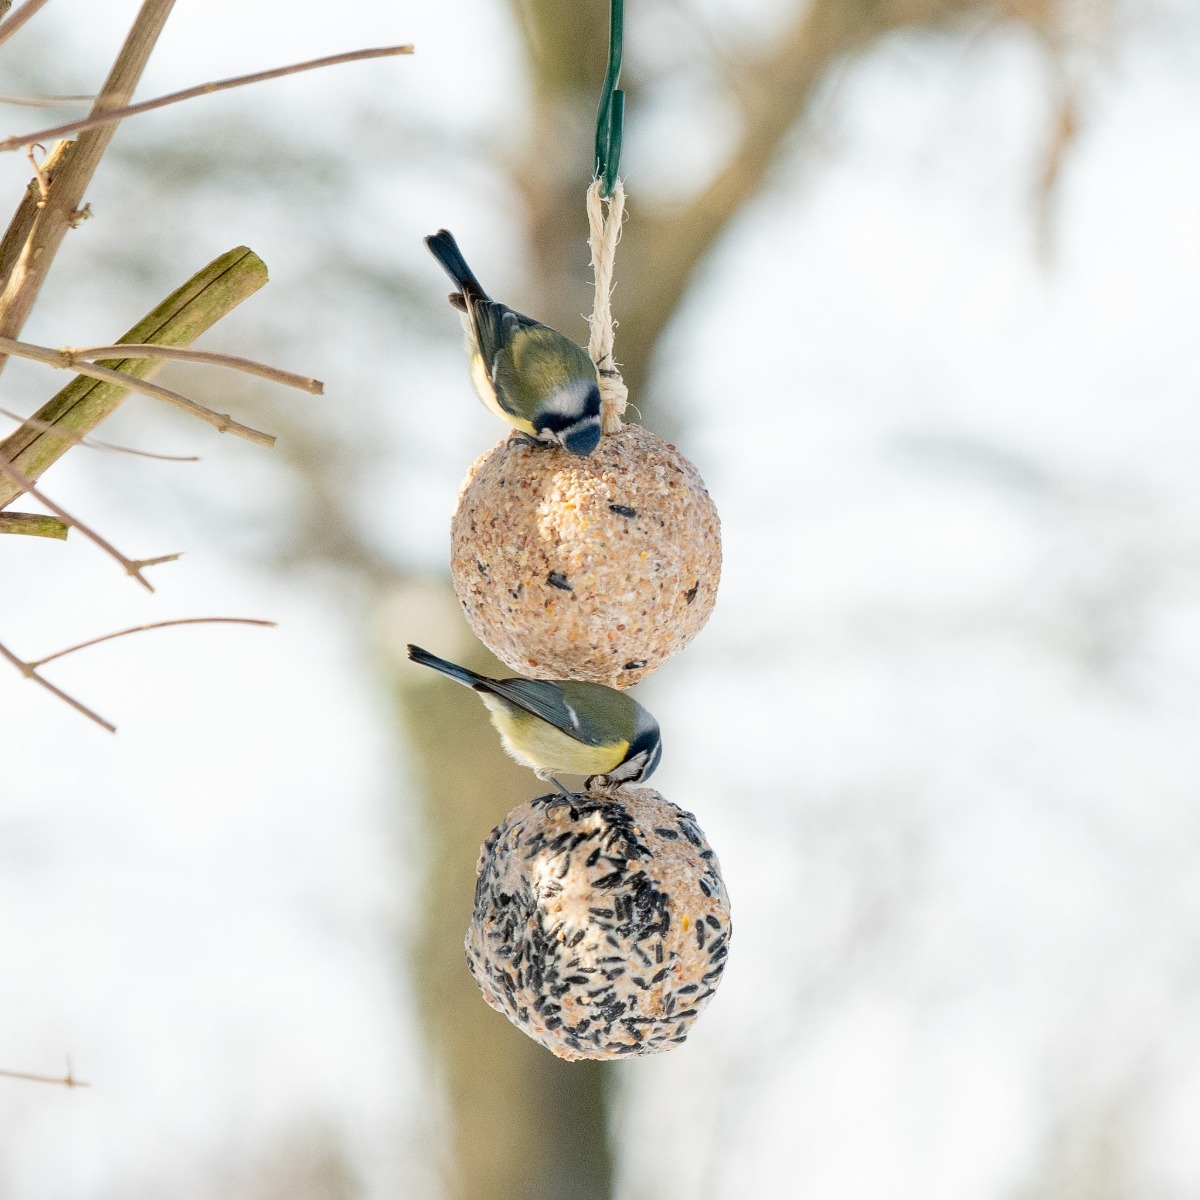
pixel 603 238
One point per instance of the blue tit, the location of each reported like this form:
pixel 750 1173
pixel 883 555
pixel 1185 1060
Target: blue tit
pixel 578 728
pixel 527 373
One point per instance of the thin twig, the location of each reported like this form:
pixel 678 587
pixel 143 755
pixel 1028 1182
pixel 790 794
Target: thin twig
pixel 65 361
pixel 29 9
pixel 43 180
pixel 29 673
pixel 80 160
pixel 108 637
pixel 92 443
pixel 235 362
pixel 67 1080
pixel 203 89
pixel 45 101
pixel 132 566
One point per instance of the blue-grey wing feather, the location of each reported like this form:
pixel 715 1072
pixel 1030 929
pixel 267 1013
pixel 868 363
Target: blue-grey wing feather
pixel 545 700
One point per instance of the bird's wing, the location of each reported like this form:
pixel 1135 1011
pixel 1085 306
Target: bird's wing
pixel 539 363
pixel 493 326
pixel 545 700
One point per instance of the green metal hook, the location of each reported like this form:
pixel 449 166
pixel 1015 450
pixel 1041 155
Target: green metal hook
pixel 610 120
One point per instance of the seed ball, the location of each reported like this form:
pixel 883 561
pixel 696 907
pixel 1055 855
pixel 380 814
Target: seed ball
pixel 597 567
pixel 601 924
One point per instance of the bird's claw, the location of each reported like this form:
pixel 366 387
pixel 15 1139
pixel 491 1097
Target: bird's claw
pixel 548 777
pixel 521 438
pixel 601 785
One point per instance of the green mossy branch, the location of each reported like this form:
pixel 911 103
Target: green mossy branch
pixel 181 318
pixel 33 525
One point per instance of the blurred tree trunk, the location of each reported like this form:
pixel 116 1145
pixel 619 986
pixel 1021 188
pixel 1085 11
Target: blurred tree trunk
pixel 663 246
pixel 524 1125
pixel 527 1126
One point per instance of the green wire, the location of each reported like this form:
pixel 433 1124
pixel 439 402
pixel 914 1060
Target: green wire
pixel 610 120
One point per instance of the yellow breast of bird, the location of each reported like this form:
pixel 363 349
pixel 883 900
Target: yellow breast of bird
pixel 483 385
pixel 536 743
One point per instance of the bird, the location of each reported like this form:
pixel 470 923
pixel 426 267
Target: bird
pixel 528 374
pixel 564 725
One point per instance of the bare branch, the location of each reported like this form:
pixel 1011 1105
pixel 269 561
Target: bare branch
pixel 108 637
pixel 67 1080
pixel 13 244
pixel 93 443
pixel 27 10
pixel 33 525
pixel 65 361
pixel 775 88
pixel 132 566
pixel 30 673
pixel 79 164
pixel 204 89
pixel 233 361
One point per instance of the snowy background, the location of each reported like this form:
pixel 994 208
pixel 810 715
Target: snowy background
pixel 941 728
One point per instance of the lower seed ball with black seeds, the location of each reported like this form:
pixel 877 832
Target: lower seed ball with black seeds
pixel 597 567
pixel 601 924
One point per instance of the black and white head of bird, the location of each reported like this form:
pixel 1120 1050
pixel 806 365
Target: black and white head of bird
pixel 570 416
pixel 641 761
pixel 528 374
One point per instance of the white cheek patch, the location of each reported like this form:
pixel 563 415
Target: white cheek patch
pixel 567 401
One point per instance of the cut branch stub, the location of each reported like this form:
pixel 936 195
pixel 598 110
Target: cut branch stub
pixel 181 318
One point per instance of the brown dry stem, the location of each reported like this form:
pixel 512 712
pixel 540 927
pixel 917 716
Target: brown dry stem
pixel 95 443
pixel 108 637
pixel 234 362
pixel 77 165
pixel 30 673
pixel 96 120
pixel 65 360
pixel 68 1080
pixel 29 668
pixel 133 566
pixel 27 10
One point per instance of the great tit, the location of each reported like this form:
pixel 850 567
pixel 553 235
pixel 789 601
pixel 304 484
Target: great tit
pixel 579 728
pixel 527 373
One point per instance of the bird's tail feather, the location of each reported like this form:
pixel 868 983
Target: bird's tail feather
pixel 461 674
pixel 445 249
